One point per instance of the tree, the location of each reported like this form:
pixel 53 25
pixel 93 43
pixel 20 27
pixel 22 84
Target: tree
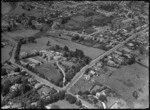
pixel 18 80
pixel 6 86
pixel 66 48
pixel 15 93
pixel 57 47
pixel 78 103
pixel 103 98
pixel 56 97
pixel 62 95
pixel 40 104
pixel 71 99
pixel 87 71
pixel 48 43
pixel 93 92
pixel 3 72
pixel 135 94
pixel 76 37
pixel 86 92
pixel 131 60
pixel 17 69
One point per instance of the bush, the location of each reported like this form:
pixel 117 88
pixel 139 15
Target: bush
pixel 135 94
pixel 71 99
pixel 3 72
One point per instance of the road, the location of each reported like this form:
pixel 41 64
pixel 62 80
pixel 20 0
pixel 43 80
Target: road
pixel 64 78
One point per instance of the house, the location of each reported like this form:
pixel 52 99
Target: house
pixel 48 106
pixel 92 72
pixel 44 90
pixel 13 73
pixel 118 52
pixel 110 62
pixel 56 57
pixel 6 107
pixel 87 77
pixel 14 87
pixel 34 61
pixel 38 85
pixel 23 54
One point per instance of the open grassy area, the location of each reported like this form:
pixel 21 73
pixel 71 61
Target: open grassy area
pixel 40 45
pixel 88 51
pixel 81 85
pixel 5 53
pixel 49 71
pixel 22 33
pixel 63 104
pixel 126 80
pixel 5 8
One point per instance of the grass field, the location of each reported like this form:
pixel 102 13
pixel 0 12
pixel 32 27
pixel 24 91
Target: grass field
pixel 81 85
pixel 88 51
pixel 49 71
pixel 63 104
pixel 18 10
pixel 22 33
pixel 5 8
pixel 40 45
pixel 5 53
pixel 126 80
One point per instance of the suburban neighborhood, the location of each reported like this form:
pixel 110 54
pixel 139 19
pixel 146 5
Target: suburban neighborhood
pixel 74 55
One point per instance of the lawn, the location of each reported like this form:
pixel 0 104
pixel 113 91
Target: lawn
pixel 40 45
pixel 63 104
pixel 88 51
pixel 49 71
pixel 5 8
pixel 5 53
pixel 125 80
pixel 81 85
pixel 18 10
pixel 22 33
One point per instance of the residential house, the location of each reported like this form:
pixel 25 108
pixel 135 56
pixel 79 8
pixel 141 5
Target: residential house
pixel 14 87
pixel 12 73
pixel 44 90
pixel 23 54
pixel 57 58
pixel 92 72
pixel 87 77
pixel 36 62
pixel 38 85
pixel 118 52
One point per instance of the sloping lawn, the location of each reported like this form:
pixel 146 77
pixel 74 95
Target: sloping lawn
pixel 49 71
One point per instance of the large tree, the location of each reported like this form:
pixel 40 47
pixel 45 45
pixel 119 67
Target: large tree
pixel 3 72
pixel 71 99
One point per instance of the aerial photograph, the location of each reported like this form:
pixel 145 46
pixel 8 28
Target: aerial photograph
pixel 73 54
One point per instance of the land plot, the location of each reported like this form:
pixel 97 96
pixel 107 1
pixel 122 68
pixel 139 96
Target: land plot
pixel 82 85
pixel 126 80
pixel 40 45
pixel 12 78
pixel 6 7
pixel 22 33
pixel 63 104
pixel 88 51
pixel 5 53
pixel 49 70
